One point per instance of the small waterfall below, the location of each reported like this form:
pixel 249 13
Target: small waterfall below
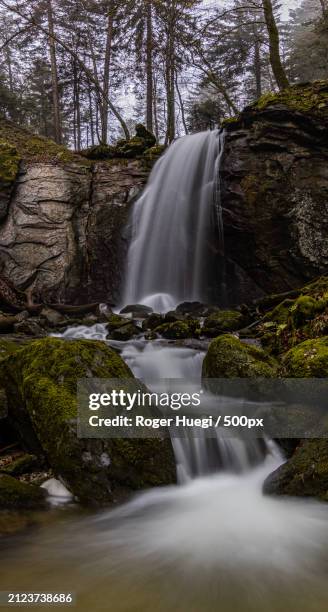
pixel 174 226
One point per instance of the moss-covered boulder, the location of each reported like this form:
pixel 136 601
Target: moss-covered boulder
pixel 222 321
pixel 153 321
pixel 228 357
pixel 307 359
pixel 124 333
pixel 178 330
pixel 40 381
pixel 16 495
pixel 305 474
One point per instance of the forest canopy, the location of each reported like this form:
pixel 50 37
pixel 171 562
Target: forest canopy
pixel 84 72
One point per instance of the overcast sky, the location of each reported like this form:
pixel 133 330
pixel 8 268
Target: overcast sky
pixel 285 5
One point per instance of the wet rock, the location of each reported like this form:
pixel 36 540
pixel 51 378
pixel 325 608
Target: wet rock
pixel 30 327
pixel 194 308
pixel 222 321
pixel 52 317
pixel 137 310
pixel 153 321
pixel 305 474
pixel 228 357
pixel 16 495
pixel 178 330
pixel 308 359
pixel 274 189
pixel 126 332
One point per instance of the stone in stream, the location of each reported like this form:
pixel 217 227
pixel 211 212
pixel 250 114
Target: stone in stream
pixel 40 382
pixel 222 321
pixel 17 495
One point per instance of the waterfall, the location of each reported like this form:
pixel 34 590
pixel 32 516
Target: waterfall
pixel 170 258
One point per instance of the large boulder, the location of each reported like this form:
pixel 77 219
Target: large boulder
pixel 304 474
pixel 40 382
pixel 228 357
pixel 274 190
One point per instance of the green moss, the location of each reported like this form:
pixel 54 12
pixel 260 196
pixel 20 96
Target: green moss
pixel 124 333
pixel 24 464
pixel 30 147
pixel 99 152
pixel 115 321
pixel 307 359
pixel 294 321
pixel 175 331
pixel 222 321
pixel 229 121
pixel 305 474
pixel 9 163
pixel 310 98
pixel 15 494
pixel 154 320
pixel 228 357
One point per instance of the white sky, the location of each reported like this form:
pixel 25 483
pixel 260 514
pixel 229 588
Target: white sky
pixel 286 5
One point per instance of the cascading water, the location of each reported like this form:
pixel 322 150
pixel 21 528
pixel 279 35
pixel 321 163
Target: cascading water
pixel 169 259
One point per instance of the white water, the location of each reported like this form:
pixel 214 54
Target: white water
pixel 169 256
pixel 213 543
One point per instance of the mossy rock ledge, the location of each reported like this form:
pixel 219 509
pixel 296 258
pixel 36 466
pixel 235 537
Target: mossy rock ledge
pixel 40 381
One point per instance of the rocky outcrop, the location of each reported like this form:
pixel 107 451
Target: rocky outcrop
pixel 63 215
pixel 274 187
pixel 115 186
pixel 63 236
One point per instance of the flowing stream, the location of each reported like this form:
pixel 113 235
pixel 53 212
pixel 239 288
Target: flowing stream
pixel 212 543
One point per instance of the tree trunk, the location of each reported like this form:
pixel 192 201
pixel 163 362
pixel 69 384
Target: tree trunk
pixel 170 88
pixel 54 74
pixel 92 135
pixel 149 68
pixel 274 46
pixel 107 61
pixel 257 64
pixel 181 105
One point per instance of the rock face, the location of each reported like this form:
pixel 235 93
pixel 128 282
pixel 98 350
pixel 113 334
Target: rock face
pixel 274 183
pixel 63 234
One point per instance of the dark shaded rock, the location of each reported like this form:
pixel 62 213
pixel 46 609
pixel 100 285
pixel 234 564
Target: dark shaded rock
pixel 126 332
pixel 137 310
pixel 116 321
pixel 16 495
pixel 274 186
pixel 153 321
pixel 305 474
pixel 30 327
pixel 195 308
